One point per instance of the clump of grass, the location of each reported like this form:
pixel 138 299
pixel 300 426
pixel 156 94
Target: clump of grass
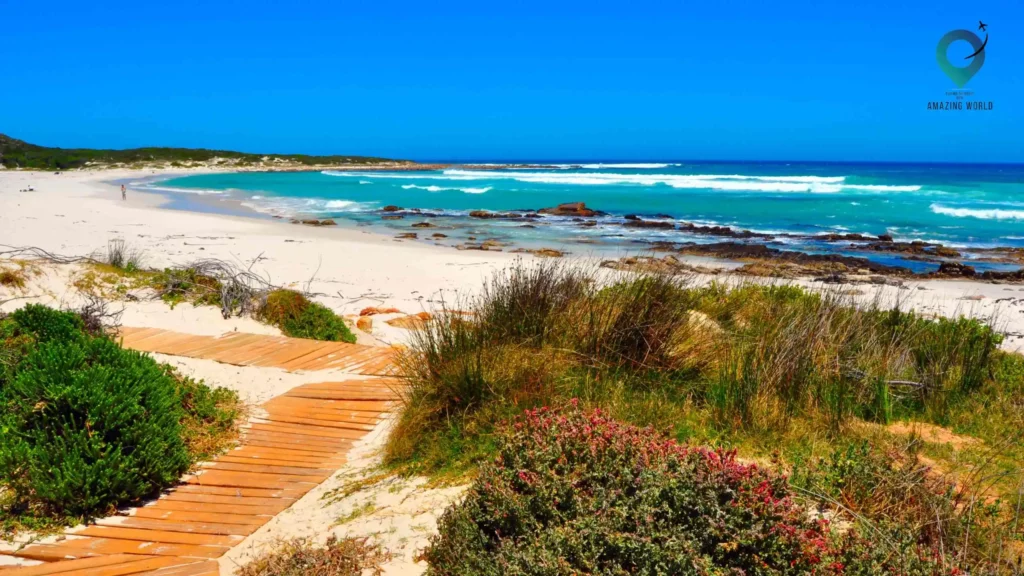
pixel 339 557
pixel 299 317
pixel 12 278
pixel 885 490
pixel 122 256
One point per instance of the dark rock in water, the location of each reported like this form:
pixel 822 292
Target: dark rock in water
pixel 916 248
pixel 315 222
pixel 587 223
pixel 390 208
pixel 407 236
pixel 392 217
pixel 423 225
pixel 720 231
pixel 531 215
pixel 638 223
pixel 739 251
pixel 488 215
pixel 572 209
pixel 1014 276
pixel 954 269
pixel 885 237
pixel 662 217
pixel 438 235
pixel 631 217
pixel 527 226
pixel 840 237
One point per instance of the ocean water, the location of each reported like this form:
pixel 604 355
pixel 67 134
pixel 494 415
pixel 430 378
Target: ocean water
pixel 962 206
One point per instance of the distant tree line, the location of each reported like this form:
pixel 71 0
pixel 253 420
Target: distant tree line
pixel 18 154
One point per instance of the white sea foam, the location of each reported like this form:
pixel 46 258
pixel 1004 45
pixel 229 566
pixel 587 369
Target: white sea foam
pixel 987 214
pixel 441 188
pixel 201 191
pixel 281 206
pixel 725 182
pixel 365 182
pixel 637 166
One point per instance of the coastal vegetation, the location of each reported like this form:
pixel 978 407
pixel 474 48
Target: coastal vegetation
pixel 824 393
pixel 299 317
pixel 22 155
pixel 89 426
pixel 339 557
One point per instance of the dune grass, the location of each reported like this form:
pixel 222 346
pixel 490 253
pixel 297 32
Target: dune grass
pixel 712 363
pixel 805 382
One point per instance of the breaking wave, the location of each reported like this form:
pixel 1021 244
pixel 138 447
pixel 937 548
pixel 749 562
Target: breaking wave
pixel 983 214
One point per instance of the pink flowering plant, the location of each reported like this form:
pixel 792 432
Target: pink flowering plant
pixel 574 492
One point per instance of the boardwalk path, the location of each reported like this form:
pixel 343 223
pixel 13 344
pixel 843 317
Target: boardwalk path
pixel 301 441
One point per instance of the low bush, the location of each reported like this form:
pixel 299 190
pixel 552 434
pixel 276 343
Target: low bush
pixel 340 557
pixel 88 426
pixel 580 493
pixel 299 317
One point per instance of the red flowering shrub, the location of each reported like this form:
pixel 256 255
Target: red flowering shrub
pixel 579 493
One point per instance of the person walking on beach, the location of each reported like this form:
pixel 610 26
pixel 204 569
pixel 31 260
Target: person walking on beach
pixel 124 193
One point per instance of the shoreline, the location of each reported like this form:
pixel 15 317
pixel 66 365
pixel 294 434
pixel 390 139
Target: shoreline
pixel 350 268
pixel 564 227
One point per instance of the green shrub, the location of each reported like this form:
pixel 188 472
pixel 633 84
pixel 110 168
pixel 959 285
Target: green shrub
pixel 580 493
pixel 88 426
pixel 298 317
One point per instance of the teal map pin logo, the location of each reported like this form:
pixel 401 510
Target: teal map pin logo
pixel 960 76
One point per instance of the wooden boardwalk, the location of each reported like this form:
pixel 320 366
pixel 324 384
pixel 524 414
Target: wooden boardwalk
pixel 241 349
pixel 302 440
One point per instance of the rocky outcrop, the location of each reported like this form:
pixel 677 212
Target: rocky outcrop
pixel 315 222
pixel 578 209
pixel 544 252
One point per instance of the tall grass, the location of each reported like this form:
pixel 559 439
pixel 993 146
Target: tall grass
pixel 750 357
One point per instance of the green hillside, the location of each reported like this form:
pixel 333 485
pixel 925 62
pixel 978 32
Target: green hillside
pixel 19 154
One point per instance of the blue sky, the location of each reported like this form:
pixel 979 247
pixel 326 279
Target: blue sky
pixel 513 80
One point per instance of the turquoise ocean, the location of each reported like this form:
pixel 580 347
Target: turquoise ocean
pixel 960 206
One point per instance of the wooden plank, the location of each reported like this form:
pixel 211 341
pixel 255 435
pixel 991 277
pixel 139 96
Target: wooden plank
pixel 227 458
pixel 296 428
pixel 73 565
pixel 248 480
pixel 269 469
pixel 200 517
pixel 140 567
pixel 245 492
pixel 261 452
pixel 207 568
pixel 357 406
pixel 238 509
pixel 215 499
pixel 271 444
pixel 169 537
pixel 329 447
pixel 51 552
pixel 182 527
pixel 115 546
pixel 306 421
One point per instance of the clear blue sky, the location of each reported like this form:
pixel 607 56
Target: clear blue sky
pixel 512 80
